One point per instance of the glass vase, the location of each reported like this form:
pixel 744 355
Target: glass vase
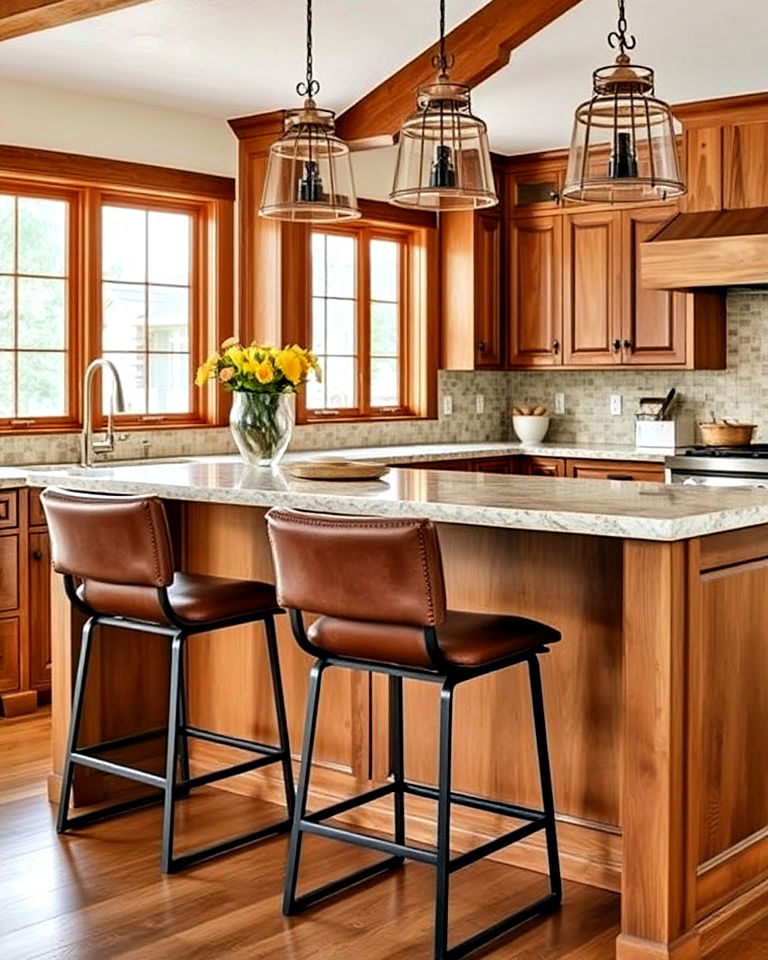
pixel 262 424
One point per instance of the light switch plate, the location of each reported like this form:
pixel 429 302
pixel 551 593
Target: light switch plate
pixel 447 405
pixel 615 405
pixel 479 403
pixel 559 403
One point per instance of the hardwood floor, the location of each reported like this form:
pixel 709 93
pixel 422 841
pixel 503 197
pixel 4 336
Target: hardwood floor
pixel 100 894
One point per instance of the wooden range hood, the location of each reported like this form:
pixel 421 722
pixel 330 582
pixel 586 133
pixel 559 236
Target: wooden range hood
pixel 716 248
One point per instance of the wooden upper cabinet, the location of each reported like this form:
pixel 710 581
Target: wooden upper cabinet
pixel 534 291
pixel 745 165
pixel 489 348
pixel 536 187
pixel 653 321
pixel 703 169
pixel 592 332
pixel 471 251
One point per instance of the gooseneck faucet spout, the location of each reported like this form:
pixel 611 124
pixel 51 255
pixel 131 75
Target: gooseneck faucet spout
pixel 88 443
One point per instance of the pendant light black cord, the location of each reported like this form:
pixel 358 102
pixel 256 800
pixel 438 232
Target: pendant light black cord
pixel 309 87
pixel 618 37
pixel 442 61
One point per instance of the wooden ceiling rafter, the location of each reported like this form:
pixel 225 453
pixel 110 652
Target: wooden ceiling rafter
pixel 20 17
pixel 481 45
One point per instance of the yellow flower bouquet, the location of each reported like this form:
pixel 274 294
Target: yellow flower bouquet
pixel 264 380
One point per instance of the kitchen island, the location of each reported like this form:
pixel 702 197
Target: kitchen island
pixel 655 696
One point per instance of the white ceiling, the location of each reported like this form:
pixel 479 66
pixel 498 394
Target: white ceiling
pixel 226 58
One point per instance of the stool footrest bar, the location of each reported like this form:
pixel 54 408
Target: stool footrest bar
pixel 545 905
pixel 343 805
pixel 233 771
pixel 96 748
pixel 113 810
pixel 477 803
pixel 225 740
pixel 344 883
pixel 498 843
pixel 118 769
pixel 373 843
pixel 184 860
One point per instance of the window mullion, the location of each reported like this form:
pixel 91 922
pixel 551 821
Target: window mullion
pixel 364 321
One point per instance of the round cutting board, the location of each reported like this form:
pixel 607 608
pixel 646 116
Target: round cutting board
pixel 337 469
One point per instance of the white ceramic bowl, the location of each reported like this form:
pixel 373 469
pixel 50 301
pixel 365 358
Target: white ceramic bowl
pixel 530 429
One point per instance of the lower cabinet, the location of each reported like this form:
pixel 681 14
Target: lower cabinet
pixel 615 470
pixel 542 466
pixel 25 619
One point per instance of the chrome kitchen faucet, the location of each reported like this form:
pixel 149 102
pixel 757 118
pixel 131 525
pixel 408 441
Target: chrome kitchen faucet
pixel 88 444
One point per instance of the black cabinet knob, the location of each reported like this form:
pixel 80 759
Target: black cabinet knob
pixel 37 554
pixel 627 344
pixel 616 346
pixel 481 346
pixel 555 347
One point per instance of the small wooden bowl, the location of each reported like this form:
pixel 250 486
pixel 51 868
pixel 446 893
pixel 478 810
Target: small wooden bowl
pixel 727 434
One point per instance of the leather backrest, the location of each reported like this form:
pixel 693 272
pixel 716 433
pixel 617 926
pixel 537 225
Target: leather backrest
pixel 360 568
pixel 112 539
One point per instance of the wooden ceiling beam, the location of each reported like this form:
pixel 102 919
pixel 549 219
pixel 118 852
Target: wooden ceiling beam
pixel 481 45
pixel 19 17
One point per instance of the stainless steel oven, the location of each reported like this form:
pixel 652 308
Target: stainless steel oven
pixel 720 466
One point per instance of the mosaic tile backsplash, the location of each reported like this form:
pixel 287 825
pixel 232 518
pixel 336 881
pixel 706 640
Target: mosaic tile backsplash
pixel 739 392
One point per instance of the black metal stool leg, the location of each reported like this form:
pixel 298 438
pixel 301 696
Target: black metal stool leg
pixel 443 839
pixel 545 775
pixel 183 721
pixel 172 753
pixel 78 698
pixel 397 758
pixel 294 850
pixel 280 714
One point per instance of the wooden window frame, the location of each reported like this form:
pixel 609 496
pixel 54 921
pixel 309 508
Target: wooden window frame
pixel 89 183
pixel 418 346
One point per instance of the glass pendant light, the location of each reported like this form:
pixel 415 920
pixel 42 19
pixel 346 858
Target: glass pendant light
pixel 623 145
pixel 309 175
pixel 443 160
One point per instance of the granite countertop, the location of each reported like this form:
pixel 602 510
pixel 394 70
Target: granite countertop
pixel 13 477
pixel 647 511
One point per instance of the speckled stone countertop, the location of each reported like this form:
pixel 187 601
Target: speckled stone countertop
pixel 648 511
pixel 13 477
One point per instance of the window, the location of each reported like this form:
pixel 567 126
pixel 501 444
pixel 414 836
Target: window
pixel 90 266
pixel 34 306
pixel 146 288
pixel 359 294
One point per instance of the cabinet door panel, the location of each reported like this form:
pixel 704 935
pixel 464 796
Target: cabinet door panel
pixel 9 572
pixel 654 320
pixel 616 470
pixel 745 155
pixel 543 466
pixel 488 319
pixel 9 654
pixel 591 294
pixel 535 328
pixel 39 610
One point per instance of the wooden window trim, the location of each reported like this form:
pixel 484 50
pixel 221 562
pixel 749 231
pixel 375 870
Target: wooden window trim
pixel 87 182
pixel 417 234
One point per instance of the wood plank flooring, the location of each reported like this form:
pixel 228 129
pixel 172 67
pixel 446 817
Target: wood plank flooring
pixel 100 894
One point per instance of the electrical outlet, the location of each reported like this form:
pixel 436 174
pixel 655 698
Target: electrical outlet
pixel 615 405
pixel 479 403
pixel 447 405
pixel 559 403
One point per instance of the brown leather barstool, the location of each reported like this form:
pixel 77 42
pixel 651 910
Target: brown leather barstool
pixel 378 587
pixel 116 556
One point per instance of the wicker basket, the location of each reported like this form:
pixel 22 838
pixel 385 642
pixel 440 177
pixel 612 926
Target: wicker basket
pixel 720 434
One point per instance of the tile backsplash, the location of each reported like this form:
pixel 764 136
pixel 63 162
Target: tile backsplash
pixel 739 392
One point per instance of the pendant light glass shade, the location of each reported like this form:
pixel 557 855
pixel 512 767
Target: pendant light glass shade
pixel 623 146
pixel 443 159
pixel 309 175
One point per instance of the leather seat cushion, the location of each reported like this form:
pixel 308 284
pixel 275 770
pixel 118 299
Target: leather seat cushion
pixel 194 597
pixel 465 639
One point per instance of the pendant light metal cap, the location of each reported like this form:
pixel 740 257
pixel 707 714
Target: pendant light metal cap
pixel 443 157
pixel 309 174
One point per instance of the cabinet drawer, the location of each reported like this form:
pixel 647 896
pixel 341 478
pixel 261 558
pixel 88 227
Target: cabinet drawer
pixel 9 654
pixel 615 470
pixel 36 512
pixel 9 508
pixel 543 466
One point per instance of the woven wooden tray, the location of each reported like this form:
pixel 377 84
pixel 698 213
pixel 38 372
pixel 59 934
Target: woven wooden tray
pixel 337 469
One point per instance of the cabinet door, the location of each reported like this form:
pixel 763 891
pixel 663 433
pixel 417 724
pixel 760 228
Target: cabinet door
pixel 745 165
pixel 543 466
pixel 535 188
pixel 9 572
pixel 654 321
pixel 535 317
pixel 495 465
pixel 591 289
pixel 703 169
pixel 9 654
pixel 39 611
pixel 615 470
pixel 488 319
